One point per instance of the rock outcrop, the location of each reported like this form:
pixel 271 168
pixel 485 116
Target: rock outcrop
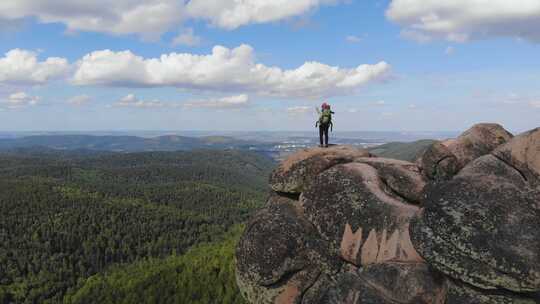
pixel 296 172
pixel 460 225
pixel 438 163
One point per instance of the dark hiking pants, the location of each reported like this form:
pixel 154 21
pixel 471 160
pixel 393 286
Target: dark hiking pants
pixel 323 132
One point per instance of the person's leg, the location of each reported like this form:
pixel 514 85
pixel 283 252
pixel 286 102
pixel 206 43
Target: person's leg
pixel 326 135
pixel 321 132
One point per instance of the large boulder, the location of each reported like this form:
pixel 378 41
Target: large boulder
pixel 482 227
pixel 479 140
pixel 443 160
pixel 523 153
pixel 402 177
pixel 356 212
pixel 391 283
pixel 278 255
pixel 438 163
pixel 295 173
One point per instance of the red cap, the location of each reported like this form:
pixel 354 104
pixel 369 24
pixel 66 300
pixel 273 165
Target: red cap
pixel 324 105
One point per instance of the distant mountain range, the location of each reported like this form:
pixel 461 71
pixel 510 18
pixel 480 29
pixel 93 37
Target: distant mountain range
pixel 274 145
pixel 124 143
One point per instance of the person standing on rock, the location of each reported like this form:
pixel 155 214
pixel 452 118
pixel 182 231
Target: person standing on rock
pixel 324 123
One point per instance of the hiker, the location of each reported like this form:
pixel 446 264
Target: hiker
pixel 324 123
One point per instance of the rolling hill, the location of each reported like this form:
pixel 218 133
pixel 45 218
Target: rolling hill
pixel 122 143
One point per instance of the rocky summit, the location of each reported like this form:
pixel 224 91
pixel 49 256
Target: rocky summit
pixel 460 225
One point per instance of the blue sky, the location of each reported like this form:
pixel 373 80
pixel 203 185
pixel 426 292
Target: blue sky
pixel 250 65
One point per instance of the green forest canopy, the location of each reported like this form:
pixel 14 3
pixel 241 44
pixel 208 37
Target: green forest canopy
pixel 205 275
pixel 66 217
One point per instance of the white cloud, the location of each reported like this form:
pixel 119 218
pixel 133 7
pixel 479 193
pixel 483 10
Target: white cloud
pixel 300 110
pixel 231 14
pixel 20 100
pixel 224 70
pixel 353 39
pixel 187 38
pixel 511 99
pixel 23 67
pixel 131 101
pixel 79 100
pixel 150 18
pixel 415 36
pixel 231 102
pixel 462 20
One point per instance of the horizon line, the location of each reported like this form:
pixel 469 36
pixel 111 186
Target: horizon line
pixel 218 131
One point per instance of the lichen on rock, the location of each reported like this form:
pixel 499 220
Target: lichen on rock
pixel 296 172
pixel 460 225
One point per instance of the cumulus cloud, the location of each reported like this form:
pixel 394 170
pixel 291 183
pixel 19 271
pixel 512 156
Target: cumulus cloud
pixel 299 110
pixel 224 70
pixel 231 14
pixel 353 39
pixel 150 18
pixel 462 20
pixel 23 67
pixel 231 102
pixel 415 36
pixel 187 38
pixel 131 101
pixel 79 100
pixel 20 100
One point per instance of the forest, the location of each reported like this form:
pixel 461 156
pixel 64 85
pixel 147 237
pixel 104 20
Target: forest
pixel 74 225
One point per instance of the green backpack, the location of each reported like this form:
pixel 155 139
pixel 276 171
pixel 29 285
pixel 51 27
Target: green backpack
pixel 326 117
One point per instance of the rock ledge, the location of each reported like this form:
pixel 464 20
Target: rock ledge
pixel 458 226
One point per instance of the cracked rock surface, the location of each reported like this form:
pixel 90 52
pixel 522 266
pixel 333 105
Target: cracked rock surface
pixel 460 225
